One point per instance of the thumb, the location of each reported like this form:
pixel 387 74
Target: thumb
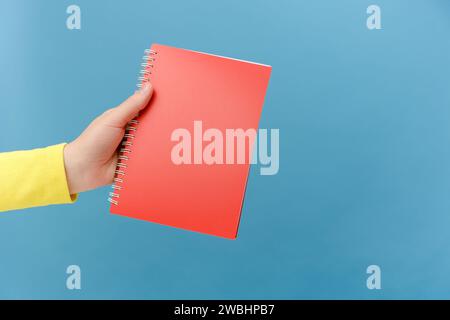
pixel 127 110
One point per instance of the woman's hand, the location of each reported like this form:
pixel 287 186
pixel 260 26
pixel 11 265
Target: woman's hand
pixel 90 160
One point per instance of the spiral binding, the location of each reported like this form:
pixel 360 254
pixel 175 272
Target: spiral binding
pixel 127 142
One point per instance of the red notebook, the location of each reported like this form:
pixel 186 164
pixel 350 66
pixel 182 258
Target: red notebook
pixel 170 169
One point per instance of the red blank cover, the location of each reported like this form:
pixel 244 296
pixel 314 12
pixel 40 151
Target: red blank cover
pixel 191 86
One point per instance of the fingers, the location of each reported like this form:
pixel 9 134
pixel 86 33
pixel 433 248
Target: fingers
pixel 127 110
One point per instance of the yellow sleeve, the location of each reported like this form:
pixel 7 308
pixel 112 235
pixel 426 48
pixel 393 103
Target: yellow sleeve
pixel 33 178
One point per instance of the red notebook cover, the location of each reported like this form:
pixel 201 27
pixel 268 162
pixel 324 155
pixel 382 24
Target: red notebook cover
pixel 191 89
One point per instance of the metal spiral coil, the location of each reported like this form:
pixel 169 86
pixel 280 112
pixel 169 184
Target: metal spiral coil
pixel 130 130
pixel 147 66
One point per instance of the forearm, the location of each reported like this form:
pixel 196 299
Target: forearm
pixel 33 178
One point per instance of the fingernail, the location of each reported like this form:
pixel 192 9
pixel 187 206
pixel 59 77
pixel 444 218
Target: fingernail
pixel 146 88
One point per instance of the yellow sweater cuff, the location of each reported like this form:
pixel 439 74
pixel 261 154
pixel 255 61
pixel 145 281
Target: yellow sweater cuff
pixel 33 178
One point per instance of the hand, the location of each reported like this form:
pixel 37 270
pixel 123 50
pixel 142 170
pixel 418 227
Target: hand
pixel 90 160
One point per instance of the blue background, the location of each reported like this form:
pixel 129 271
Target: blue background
pixel 364 178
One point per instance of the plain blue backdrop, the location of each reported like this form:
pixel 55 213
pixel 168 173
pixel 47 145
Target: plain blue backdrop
pixel 364 119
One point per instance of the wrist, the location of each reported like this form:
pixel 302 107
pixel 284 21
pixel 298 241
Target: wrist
pixel 73 167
